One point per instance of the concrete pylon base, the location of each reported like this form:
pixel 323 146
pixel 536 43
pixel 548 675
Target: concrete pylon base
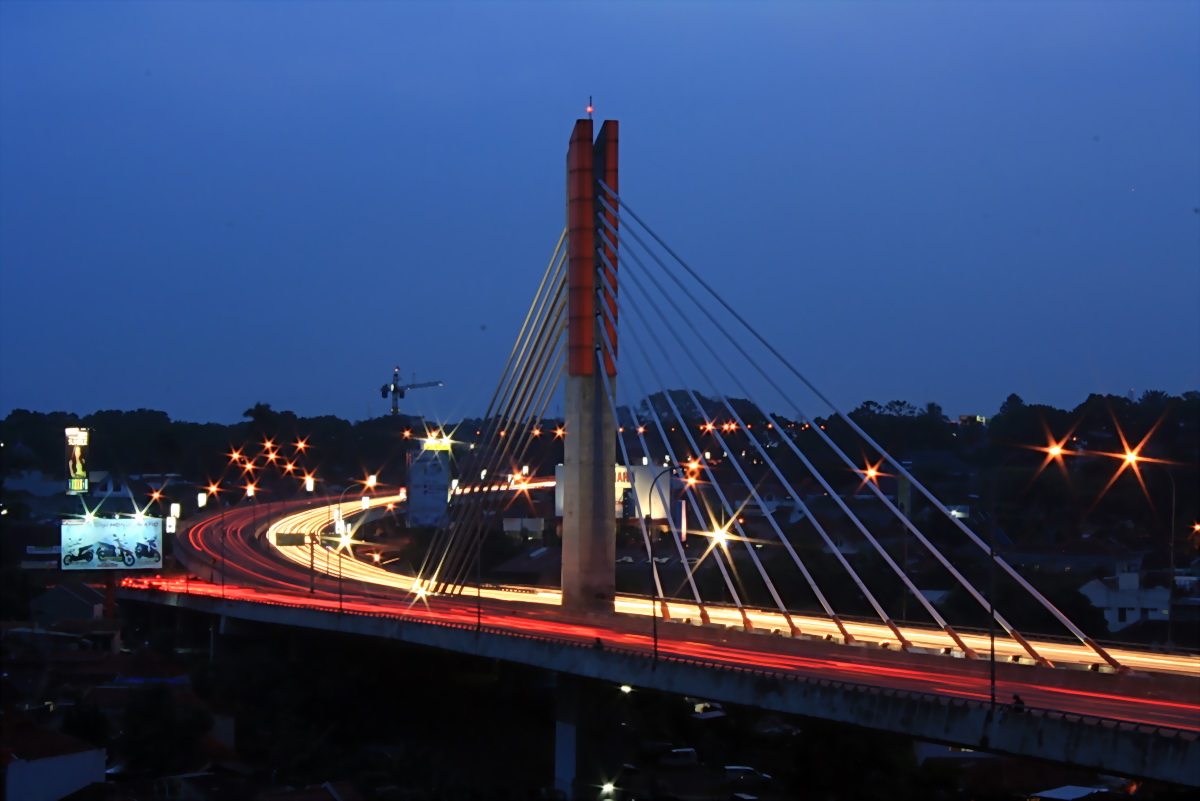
pixel 589 498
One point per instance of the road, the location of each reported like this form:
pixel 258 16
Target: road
pixel 257 569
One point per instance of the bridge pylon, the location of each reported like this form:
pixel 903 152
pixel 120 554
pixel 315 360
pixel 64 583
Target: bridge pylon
pixel 589 496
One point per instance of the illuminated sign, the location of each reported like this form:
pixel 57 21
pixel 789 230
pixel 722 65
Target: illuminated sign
pixel 117 544
pixel 436 444
pixel 77 474
pixel 635 487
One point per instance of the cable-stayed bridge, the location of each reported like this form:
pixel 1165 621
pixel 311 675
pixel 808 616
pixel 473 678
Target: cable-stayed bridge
pixel 754 521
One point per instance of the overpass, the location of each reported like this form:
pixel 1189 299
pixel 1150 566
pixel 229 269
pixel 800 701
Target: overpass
pixel 1139 723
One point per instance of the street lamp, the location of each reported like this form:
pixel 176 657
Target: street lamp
pixel 309 486
pixel 214 490
pixel 343 542
pixel 670 471
pixel 1133 459
pixel 340 528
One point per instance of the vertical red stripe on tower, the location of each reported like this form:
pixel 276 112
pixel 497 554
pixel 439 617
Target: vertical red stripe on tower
pixel 581 251
pixel 606 170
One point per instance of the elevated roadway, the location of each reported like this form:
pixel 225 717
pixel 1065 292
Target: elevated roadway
pixel 1146 723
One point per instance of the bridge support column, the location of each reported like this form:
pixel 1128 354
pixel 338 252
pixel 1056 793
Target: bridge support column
pixel 589 495
pixel 566 720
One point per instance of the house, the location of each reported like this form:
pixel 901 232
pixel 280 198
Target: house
pixel 41 764
pixel 1124 600
pixel 70 600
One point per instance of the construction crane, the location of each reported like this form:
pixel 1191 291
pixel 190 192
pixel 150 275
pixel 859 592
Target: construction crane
pixel 397 389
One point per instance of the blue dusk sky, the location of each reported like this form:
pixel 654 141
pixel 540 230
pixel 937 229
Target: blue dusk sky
pixel 204 205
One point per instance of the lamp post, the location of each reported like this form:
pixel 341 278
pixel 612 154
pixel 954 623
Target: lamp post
pixel 1171 584
pixel 309 486
pixel 992 609
pixel 215 490
pixel 340 526
pixel 211 489
pixel 1133 459
pixel 478 592
pixel 346 539
pixel 670 471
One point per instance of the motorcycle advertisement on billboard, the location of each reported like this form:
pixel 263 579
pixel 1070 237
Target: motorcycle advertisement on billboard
pixel 121 543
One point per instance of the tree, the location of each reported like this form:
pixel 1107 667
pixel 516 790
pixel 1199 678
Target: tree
pixel 263 420
pixel 1011 404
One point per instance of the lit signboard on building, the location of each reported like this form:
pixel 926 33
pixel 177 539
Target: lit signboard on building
pixel 77 452
pixel 104 544
pixel 652 495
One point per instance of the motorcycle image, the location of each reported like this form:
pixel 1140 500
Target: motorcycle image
pixel 82 554
pixel 146 550
pixel 109 552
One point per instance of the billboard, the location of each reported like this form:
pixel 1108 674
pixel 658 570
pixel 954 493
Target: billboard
pixel 122 544
pixel 77 452
pixel 428 488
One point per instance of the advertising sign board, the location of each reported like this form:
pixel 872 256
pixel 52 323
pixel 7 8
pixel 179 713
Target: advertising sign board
pixel 77 452
pixel 428 488
pixel 121 544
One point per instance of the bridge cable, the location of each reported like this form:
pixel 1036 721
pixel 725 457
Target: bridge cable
pixel 733 514
pixel 545 314
pixel 692 498
pixel 552 275
pixel 753 490
pixel 497 494
pixel 458 515
pixel 516 410
pixel 821 531
pixel 602 370
pixel 745 479
pixel 902 471
pixel 473 518
pixel 675 534
pixel 902 574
